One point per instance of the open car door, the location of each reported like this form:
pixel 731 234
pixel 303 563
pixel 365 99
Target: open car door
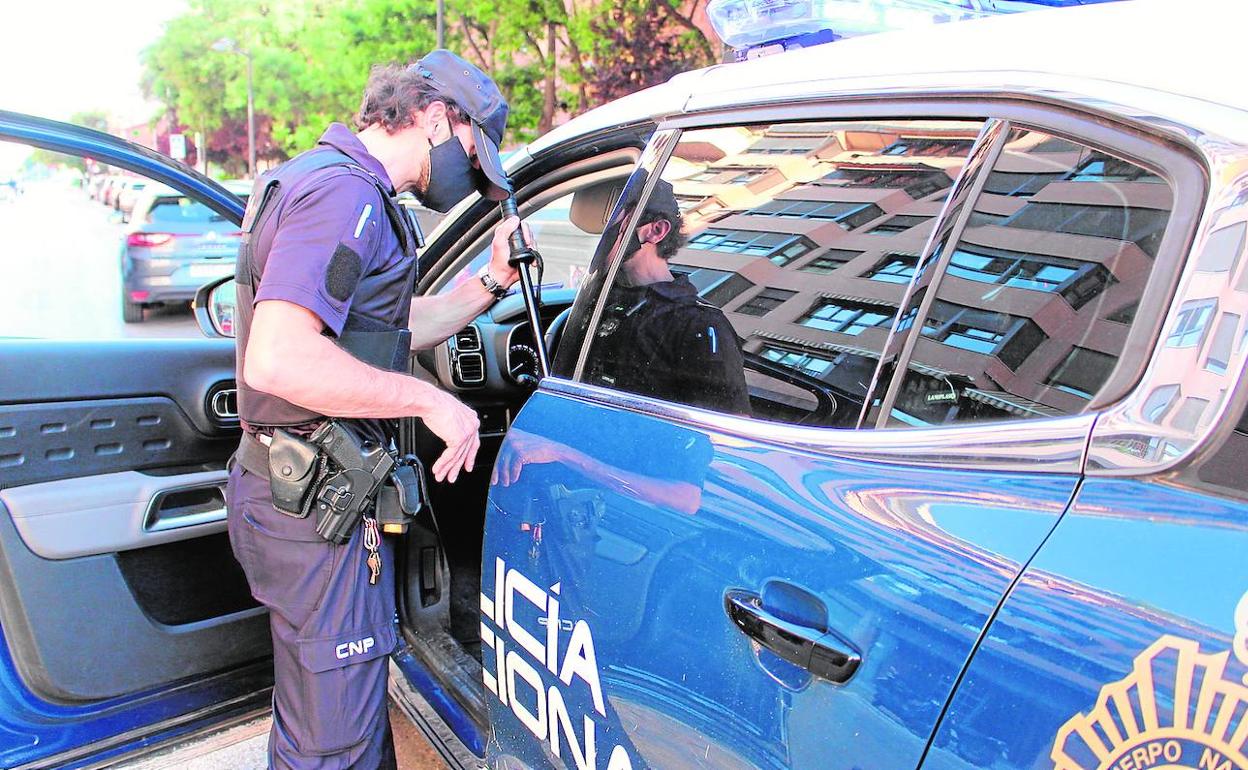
pixel 126 620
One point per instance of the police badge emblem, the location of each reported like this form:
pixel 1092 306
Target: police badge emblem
pixel 1178 709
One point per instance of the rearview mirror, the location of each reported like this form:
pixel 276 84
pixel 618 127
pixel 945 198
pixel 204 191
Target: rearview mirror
pixel 214 307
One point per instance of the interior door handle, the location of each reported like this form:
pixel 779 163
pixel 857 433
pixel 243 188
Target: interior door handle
pixel 817 650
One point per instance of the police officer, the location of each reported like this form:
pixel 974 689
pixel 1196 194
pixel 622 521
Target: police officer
pixel 325 278
pixel 657 337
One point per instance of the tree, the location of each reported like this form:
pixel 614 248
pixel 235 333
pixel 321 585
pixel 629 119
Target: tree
pixel 311 59
pixel 641 43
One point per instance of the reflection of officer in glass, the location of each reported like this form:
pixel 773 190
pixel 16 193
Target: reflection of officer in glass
pixel 657 337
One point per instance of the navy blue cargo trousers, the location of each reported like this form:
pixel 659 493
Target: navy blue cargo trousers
pixel 333 633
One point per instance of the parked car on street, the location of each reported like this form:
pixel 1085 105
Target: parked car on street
pixel 985 508
pixel 174 245
pixel 128 196
pixel 112 189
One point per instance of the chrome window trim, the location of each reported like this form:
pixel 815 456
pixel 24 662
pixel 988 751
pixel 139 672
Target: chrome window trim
pixel 1145 108
pixel 1127 442
pixel 1036 446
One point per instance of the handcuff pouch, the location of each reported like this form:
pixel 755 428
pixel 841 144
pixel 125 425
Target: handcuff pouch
pixel 292 471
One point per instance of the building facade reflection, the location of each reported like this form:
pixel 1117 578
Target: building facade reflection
pixel 807 236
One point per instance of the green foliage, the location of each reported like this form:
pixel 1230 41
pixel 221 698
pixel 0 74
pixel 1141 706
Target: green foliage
pixel 97 119
pixel 312 57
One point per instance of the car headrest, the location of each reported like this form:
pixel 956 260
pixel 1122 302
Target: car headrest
pixel 591 206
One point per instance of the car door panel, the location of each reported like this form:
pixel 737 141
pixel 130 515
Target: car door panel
pixel 644 525
pixel 1123 644
pixel 112 512
pixel 111 500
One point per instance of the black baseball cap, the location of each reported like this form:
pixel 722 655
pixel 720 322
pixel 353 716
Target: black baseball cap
pixel 478 96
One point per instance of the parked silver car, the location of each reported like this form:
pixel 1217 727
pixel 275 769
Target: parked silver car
pixel 174 246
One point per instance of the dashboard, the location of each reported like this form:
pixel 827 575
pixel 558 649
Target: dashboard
pixel 495 356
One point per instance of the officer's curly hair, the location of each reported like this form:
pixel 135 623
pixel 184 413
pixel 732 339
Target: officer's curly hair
pixel 663 205
pixel 394 94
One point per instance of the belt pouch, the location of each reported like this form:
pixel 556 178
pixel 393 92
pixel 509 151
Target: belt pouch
pixel 292 469
pixel 402 497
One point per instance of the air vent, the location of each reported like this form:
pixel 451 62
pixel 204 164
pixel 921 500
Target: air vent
pixel 470 368
pixel 468 339
pixel 223 403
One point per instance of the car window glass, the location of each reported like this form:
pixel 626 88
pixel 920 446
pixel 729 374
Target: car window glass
pixel 566 249
pixel 179 208
pixel 103 253
pixel 769 262
pixel 1038 295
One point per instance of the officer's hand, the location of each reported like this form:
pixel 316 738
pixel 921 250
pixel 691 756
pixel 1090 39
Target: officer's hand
pixel 457 425
pixel 500 251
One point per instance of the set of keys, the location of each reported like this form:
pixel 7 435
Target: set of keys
pixel 372 544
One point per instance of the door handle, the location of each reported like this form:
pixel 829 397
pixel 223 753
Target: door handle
pixel 817 650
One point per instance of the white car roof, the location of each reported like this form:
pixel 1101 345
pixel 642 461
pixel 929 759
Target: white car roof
pixel 1183 48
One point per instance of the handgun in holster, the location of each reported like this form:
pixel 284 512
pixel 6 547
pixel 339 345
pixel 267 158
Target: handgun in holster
pixel 356 472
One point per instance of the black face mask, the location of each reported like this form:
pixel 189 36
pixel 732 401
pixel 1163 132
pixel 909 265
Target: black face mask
pixel 451 176
pixel 631 246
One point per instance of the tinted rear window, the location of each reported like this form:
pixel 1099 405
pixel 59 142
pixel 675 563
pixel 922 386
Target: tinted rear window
pixel 180 209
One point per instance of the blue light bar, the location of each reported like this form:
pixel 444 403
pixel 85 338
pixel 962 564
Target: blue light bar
pixel 759 27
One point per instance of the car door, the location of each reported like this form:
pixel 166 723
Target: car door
pixel 1125 642
pixel 667 585
pixel 125 618
pixel 564 188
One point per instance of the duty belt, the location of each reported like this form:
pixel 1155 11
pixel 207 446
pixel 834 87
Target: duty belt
pixel 340 478
pixel 253 454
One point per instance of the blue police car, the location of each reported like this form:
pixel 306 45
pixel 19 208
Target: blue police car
pixel 985 507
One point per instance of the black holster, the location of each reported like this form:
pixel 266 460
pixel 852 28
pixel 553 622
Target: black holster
pixel 356 472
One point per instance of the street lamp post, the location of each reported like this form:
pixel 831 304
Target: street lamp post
pixel 229 45
pixel 441 24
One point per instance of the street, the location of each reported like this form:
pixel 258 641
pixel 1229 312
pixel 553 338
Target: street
pixel 63 271
pixel 64 267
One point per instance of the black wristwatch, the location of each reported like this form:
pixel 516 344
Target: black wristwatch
pixel 492 286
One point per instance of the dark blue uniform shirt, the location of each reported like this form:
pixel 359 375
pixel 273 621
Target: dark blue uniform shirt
pixel 329 246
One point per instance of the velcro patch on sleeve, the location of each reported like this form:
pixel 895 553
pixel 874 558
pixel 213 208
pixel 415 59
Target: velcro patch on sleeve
pixel 343 273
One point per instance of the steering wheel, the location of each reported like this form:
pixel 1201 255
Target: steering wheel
pixel 827 405
pixel 554 333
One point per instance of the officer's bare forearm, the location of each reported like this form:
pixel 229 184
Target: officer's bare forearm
pixel 682 496
pixel 435 318
pixel 288 357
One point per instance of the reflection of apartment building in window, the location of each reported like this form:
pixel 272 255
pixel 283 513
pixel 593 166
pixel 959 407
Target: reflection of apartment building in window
pixel 1035 305
pixel 1199 343
pixel 800 239
pixel 1067 246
